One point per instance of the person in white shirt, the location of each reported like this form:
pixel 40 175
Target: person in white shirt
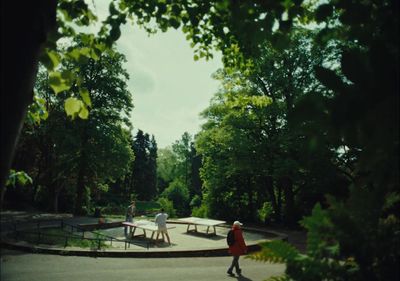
pixel 161 221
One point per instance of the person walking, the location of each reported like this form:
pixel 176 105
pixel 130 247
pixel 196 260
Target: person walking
pixel 130 214
pixel 161 221
pixel 237 249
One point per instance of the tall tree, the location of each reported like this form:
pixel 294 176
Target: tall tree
pixel 166 168
pixel 195 182
pixel 152 168
pixel 139 166
pixel 144 171
pixel 248 144
pixel 86 153
pixel 182 149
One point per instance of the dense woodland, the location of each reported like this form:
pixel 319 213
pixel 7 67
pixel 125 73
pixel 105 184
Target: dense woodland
pixel 303 131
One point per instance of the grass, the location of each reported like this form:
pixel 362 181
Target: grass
pixel 56 237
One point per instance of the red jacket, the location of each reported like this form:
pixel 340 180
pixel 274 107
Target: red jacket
pixel 239 248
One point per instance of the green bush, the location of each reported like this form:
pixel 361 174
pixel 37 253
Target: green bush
pixel 168 206
pixel 178 193
pixel 195 202
pixel 265 212
pixel 201 212
pixel 147 206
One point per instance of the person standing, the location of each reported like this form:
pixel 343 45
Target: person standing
pixel 237 249
pixel 130 214
pixel 161 221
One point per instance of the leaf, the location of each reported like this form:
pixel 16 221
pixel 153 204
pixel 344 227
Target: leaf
pixel 323 12
pixel 353 66
pixel 329 78
pixel 85 96
pixel 83 113
pixel 115 33
pixel 72 106
pixel 50 59
pixel 112 9
pixel 174 23
pixel 79 54
pixel 276 251
pixel 57 83
pixel 19 177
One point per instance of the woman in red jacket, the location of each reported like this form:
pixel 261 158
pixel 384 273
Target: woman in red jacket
pixel 237 249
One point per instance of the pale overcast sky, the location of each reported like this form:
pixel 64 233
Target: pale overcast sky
pixel 169 88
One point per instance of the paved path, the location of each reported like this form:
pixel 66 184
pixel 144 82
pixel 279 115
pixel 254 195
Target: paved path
pixel 20 266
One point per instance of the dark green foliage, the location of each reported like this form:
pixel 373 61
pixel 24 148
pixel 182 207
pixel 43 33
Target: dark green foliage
pixel 144 170
pixel 252 147
pixel 80 156
pixel 178 193
pixel 180 166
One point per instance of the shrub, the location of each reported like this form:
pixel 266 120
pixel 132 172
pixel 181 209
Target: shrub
pixel 201 211
pixel 178 193
pixel 265 212
pixel 195 202
pixel 168 206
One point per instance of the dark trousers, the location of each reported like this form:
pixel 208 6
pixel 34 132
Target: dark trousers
pixel 235 264
pixel 128 228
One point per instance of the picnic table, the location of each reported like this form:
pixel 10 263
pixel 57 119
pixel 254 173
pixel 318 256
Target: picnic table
pixel 194 221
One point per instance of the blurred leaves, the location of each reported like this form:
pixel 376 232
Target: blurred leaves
pixel 18 177
pixel 74 107
pixel 37 111
pixel 58 82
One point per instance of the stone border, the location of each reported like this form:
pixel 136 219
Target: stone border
pixel 215 252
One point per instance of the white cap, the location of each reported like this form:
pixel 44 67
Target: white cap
pixel 237 223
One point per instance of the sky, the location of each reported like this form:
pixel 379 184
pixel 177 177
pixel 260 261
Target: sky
pixel 169 88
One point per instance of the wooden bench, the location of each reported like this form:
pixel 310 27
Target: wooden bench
pixel 194 221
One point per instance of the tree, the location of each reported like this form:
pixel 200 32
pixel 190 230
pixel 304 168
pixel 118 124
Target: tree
pixel 249 144
pixel 166 168
pixel 195 165
pixel 182 150
pixel 144 173
pixel 178 193
pixel 139 166
pixel 85 153
pixel 152 167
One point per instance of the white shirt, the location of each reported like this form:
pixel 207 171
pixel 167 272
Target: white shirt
pixel 161 219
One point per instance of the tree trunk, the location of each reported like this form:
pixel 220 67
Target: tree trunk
pixel 23 32
pixel 250 192
pixel 80 187
pixel 289 212
pixel 269 183
pixel 55 201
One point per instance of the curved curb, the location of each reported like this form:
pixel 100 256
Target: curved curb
pixel 213 252
pixel 219 252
